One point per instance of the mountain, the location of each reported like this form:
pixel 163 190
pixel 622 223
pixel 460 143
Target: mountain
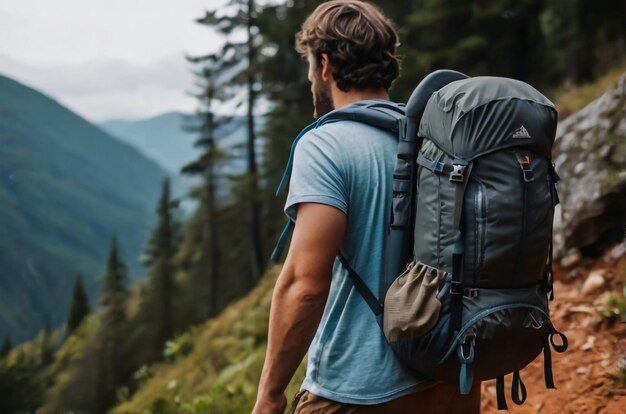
pixel 167 140
pixel 66 187
pixel 162 138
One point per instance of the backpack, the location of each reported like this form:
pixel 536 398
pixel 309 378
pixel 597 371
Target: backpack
pixel 468 258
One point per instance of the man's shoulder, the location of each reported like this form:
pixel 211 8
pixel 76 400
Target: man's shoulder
pixel 344 132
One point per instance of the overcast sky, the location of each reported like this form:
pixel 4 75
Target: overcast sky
pixel 106 58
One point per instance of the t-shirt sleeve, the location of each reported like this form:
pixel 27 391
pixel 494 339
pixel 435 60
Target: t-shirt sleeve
pixel 318 174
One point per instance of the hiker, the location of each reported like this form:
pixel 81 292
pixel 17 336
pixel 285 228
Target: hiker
pixel 339 195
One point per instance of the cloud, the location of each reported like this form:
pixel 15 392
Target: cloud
pixel 111 88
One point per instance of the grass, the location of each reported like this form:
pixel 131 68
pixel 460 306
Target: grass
pixel 572 98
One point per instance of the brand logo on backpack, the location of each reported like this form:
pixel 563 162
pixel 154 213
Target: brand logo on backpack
pixel 521 132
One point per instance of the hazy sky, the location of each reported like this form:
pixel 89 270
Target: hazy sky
pixel 106 58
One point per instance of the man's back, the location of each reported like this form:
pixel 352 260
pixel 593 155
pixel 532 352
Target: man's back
pixel 349 166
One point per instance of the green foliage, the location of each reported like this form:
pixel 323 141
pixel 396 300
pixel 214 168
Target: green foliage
pixel 7 345
pixel 79 308
pixel 221 372
pixel 21 386
pixel 181 346
pixel 155 315
pixel 614 308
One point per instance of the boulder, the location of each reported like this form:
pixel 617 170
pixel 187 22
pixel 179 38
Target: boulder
pixel 590 157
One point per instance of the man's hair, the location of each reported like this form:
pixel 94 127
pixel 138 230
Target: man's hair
pixel 359 40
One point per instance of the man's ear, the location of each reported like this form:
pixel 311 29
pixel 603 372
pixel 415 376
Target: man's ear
pixel 327 68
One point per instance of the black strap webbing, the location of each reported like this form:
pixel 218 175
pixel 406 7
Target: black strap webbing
pixel 547 360
pixel 456 284
pixel 500 393
pixel 359 284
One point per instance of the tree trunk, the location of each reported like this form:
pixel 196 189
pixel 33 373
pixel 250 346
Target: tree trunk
pixel 253 204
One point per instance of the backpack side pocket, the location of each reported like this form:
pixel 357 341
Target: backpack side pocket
pixel 411 304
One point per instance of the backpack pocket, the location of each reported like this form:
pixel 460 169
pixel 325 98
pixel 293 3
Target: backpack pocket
pixel 412 305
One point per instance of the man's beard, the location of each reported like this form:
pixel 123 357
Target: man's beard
pixel 322 100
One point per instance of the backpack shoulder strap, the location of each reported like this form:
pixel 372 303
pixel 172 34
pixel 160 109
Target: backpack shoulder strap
pixel 379 114
pixel 388 116
pixel 383 115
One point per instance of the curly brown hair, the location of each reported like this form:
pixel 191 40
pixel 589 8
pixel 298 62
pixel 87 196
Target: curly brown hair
pixel 360 43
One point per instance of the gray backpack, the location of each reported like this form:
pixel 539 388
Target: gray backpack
pixel 468 271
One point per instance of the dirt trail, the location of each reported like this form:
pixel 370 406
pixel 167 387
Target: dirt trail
pixel 586 375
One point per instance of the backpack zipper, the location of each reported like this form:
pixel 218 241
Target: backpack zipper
pixel 480 231
pixel 527 177
pixel 483 314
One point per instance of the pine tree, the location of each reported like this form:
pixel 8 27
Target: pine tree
pixel 240 15
pixel 157 307
pixel 79 307
pixel 205 272
pixel 113 298
pixel 7 345
pixel 46 348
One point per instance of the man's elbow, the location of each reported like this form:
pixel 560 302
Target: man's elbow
pixel 306 287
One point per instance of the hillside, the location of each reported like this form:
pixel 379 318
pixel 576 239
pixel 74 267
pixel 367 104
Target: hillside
pixel 65 188
pixel 221 372
pixel 215 367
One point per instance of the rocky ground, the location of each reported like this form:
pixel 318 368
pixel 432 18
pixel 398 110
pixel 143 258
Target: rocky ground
pixel 587 376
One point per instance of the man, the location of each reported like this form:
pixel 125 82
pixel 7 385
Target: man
pixel 339 195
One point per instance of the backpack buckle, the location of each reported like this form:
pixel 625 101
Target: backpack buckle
pixel 471 292
pixel 456 175
pixel 524 163
pixel 456 288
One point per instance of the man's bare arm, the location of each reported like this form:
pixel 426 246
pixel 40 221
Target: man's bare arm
pixel 299 298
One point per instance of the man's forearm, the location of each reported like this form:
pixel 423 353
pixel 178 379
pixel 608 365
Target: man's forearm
pixel 294 316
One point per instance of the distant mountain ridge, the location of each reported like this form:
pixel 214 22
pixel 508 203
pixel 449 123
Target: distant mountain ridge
pixel 162 138
pixel 66 187
pixel 168 140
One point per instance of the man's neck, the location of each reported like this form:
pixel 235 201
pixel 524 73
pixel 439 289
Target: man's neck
pixel 341 98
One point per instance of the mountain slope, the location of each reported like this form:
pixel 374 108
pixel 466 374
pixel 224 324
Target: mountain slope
pixel 65 188
pixel 165 139
pixel 162 138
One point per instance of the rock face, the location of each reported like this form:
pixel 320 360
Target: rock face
pixel 590 157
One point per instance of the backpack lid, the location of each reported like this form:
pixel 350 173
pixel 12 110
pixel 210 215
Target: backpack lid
pixel 475 116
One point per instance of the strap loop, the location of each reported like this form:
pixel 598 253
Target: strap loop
pixel 516 386
pixel 562 347
pixel 466 378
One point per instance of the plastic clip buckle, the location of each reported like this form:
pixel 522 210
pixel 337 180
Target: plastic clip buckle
pixel 456 288
pixel 524 164
pixel 456 176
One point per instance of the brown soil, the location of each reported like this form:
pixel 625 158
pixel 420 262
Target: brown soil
pixel 587 376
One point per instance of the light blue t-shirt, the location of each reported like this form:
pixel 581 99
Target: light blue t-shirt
pixel 349 165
